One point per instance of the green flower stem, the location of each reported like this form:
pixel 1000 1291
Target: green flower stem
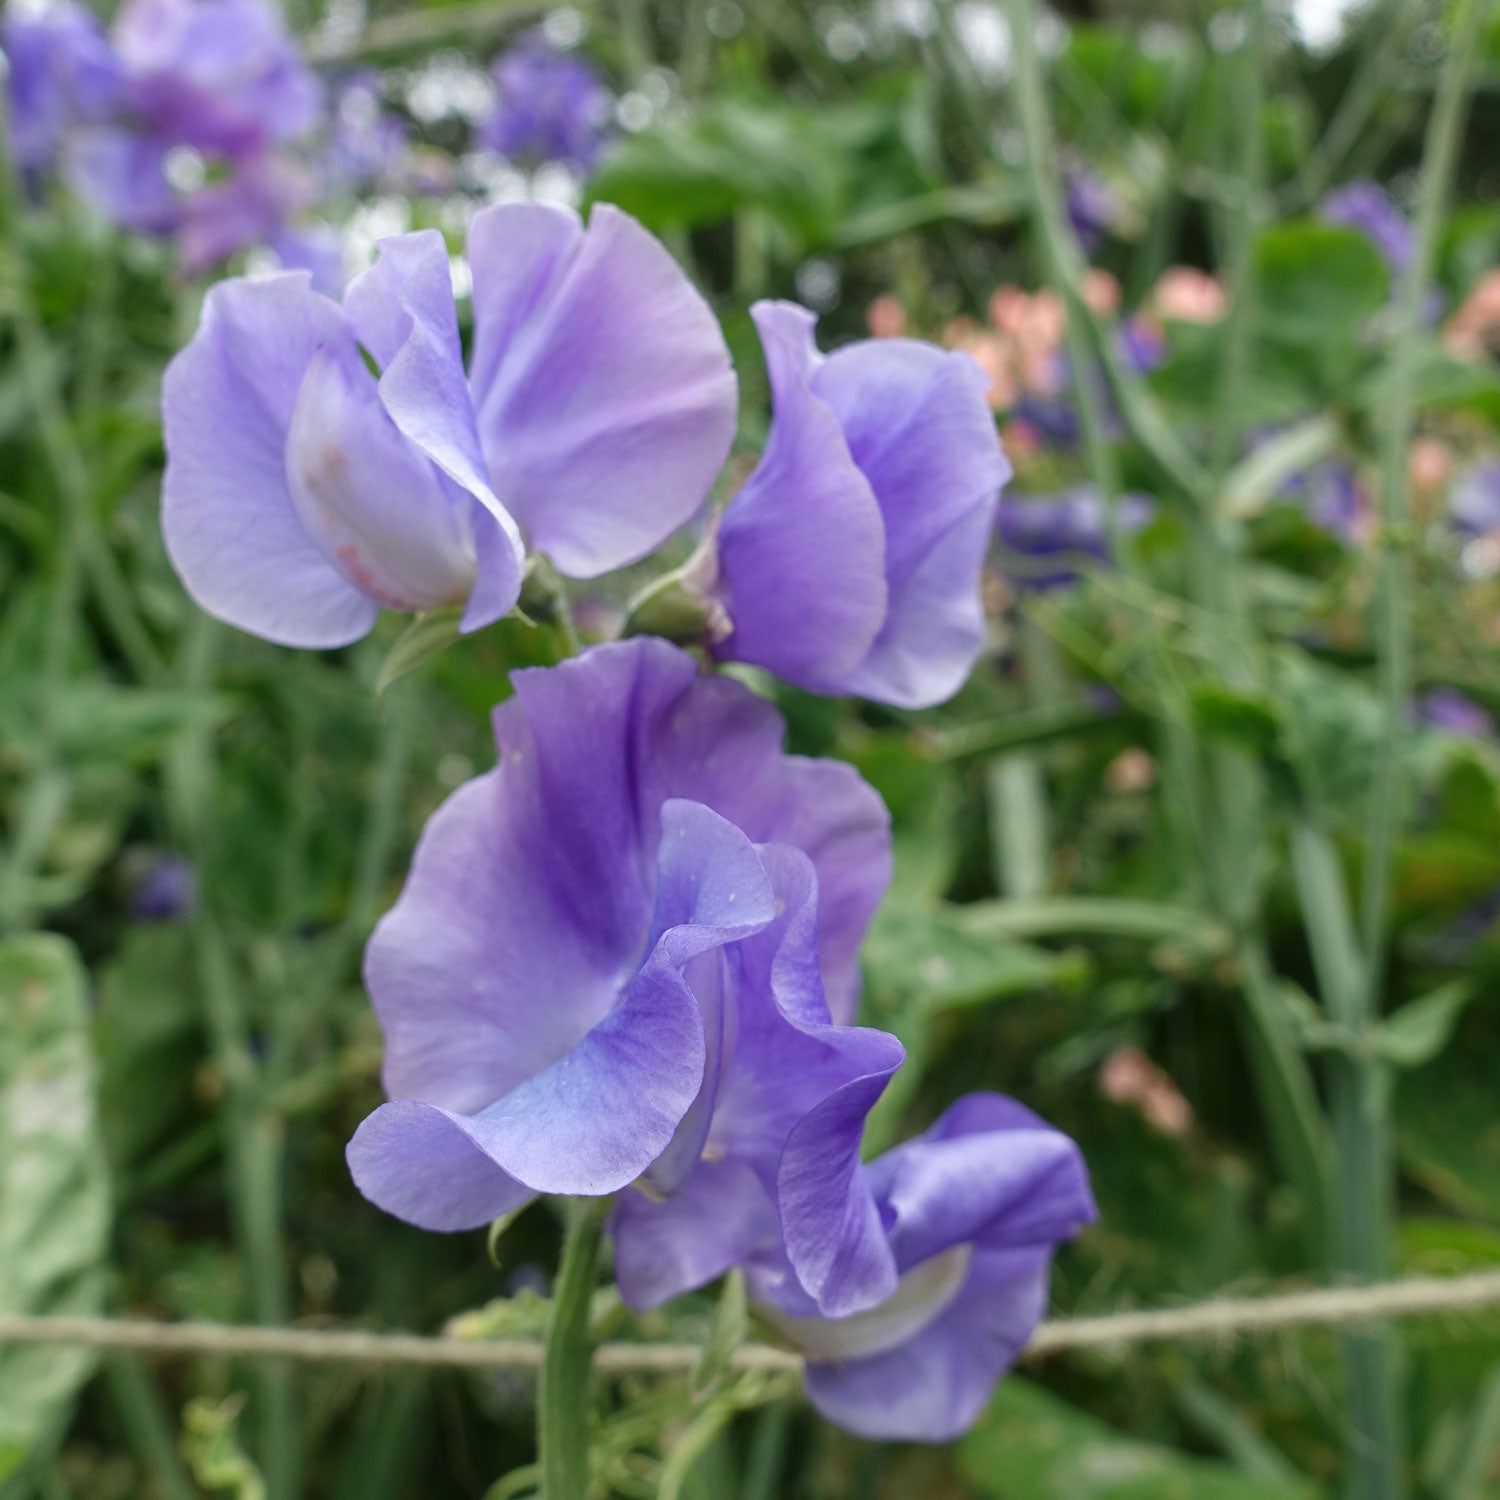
pixel 563 1401
pixel 253 1132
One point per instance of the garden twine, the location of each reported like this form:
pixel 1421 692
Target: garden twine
pixel 1219 1319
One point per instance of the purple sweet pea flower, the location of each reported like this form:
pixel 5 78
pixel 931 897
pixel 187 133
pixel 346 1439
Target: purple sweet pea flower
pixel 1474 503
pixel 1448 709
pixel 61 74
pixel 609 966
pixel 972 1212
pixel 167 890
pixel 221 76
pixel 1048 536
pixel 367 143
pixel 849 562
pixel 1366 207
pixel 551 107
pixel 302 493
pixel 1091 206
pixel 315 248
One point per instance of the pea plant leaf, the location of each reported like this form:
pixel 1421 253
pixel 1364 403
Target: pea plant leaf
pixel 54 1192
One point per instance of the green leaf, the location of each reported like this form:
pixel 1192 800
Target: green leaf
pixel 1249 721
pixel 1318 282
pixel 1030 1445
pixel 54 1191
pixel 432 631
pixel 731 1320
pixel 1417 1032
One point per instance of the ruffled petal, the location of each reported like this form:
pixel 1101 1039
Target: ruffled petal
pixel 393 526
pixel 720 1217
pixel 917 424
pixel 605 393
pixel 801 546
pixel 231 528
pixel 931 1388
pixel 424 1165
pixel 989 1171
pixel 402 311
pixel 598 1116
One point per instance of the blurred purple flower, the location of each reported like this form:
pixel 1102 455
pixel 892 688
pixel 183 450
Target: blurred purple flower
pixel 367 143
pixel 551 107
pixel 1365 206
pixel 1091 206
pixel 167 891
pixel 1334 501
pixel 1474 502
pixel 302 493
pixel 249 206
pixel 1048 536
pixel 972 1213
pixel 620 958
pixel 1054 419
pixel 849 561
pixel 61 74
pixel 1142 344
pixel 1448 709
pixel 221 76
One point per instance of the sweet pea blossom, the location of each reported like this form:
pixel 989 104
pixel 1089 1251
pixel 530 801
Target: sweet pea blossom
pixel 303 493
pixel 61 73
pixel 972 1212
pixel 626 955
pixel 849 561
pixel 1048 536
pixel 550 107
pixel 1366 206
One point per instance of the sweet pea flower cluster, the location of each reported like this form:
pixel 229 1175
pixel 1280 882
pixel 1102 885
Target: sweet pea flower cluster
pixel 625 962
pixel 175 124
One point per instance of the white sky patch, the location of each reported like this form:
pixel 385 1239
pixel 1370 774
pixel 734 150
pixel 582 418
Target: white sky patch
pixel 1320 24
pixel 564 27
pixel 449 85
pixel 984 38
pixel 368 225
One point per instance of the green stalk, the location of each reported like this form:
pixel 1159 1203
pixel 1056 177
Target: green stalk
pixel 563 1400
pixel 1283 1079
pixel 1358 1102
pixel 253 1134
pixel 147 1428
pixel 1393 602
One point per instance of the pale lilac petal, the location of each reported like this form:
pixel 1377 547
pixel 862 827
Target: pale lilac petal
pixel 1023 1185
pixel 931 1388
pixel 605 393
pixel 919 428
pixel 121 175
pixel 664 1247
pixel 402 311
pixel 422 1164
pixel 394 527
pixel 231 528
pixel 801 547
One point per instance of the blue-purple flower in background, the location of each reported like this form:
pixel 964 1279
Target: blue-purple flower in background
pixel 1474 502
pixel 628 955
pixel 1045 539
pixel 849 561
pixel 1091 206
pixel 972 1212
pixel 1367 207
pixel 303 493
pixel 1453 712
pixel 62 73
pixel 551 106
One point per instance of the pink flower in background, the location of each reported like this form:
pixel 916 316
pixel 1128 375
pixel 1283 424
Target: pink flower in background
pixel 1184 294
pixel 1128 1076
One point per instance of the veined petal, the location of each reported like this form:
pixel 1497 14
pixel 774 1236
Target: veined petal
pixel 801 547
pixel 604 389
pixel 231 528
pixel 402 311
pixel 395 527
pixel 930 1388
